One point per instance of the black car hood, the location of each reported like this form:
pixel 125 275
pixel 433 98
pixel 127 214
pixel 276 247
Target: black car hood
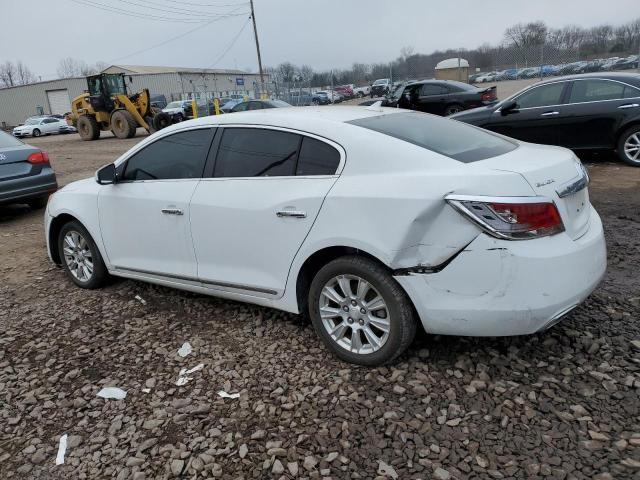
pixel 475 116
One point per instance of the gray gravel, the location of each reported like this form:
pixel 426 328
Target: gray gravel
pixel 563 404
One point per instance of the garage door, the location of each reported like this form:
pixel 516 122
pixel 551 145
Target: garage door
pixel 59 101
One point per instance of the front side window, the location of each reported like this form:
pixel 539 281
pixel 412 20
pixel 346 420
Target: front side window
pixel 241 107
pixel 542 96
pixel 255 152
pixel 178 156
pixel 595 91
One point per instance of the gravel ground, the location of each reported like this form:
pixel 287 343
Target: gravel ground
pixel 562 404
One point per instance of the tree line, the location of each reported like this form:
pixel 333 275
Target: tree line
pixel 523 44
pixel 14 74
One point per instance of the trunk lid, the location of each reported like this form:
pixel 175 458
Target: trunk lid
pixel 13 162
pixel 555 173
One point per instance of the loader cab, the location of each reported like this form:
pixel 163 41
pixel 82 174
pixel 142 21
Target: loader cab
pixel 103 88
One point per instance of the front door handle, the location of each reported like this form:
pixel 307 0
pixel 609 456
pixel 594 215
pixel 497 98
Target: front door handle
pixel 291 213
pixel 172 211
pixel 548 114
pixel 629 105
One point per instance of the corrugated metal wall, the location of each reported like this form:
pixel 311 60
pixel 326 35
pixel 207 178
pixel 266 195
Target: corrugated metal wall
pixel 18 103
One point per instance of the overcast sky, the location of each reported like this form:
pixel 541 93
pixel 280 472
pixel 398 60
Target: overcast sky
pixel 321 33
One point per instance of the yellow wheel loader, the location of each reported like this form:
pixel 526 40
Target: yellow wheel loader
pixel 107 106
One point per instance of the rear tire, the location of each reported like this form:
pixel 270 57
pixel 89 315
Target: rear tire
pixel 123 125
pixel 35 133
pixel 629 146
pixel 88 128
pixel 451 109
pixel 161 120
pixel 393 325
pixel 79 253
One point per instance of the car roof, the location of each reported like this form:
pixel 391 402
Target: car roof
pixel 620 76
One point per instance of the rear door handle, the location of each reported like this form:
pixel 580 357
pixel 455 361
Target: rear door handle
pixel 172 211
pixel 629 105
pixel 548 114
pixel 291 213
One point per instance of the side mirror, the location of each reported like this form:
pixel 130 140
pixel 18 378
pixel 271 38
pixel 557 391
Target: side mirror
pixel 509 107
pixel 107 175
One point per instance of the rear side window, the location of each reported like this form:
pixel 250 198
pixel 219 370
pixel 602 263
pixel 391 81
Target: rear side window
pixel 7 141
pixel 595 90
pixel 541 96
pixel 254 152
pixel 178 156
pixel 317 158
pixel 444 136
pixel 631 92
pixel 432 89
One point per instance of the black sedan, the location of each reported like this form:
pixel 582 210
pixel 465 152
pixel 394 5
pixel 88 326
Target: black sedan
pixel 440 97
pixel 591 111
pixel 25 173
pixel 259 105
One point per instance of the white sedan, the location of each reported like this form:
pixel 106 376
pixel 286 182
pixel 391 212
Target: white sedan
pixel 36 126
pixel 372 220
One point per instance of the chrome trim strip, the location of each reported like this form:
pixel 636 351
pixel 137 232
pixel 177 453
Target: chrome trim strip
pixel 194 279
pixel 575 184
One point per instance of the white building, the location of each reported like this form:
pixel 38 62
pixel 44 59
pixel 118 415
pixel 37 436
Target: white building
pixel 175 83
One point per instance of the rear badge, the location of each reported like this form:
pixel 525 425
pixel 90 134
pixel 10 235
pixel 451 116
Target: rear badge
pixel 546 182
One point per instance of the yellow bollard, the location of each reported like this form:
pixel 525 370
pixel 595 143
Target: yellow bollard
pixel 245 98
pixel 194 108
pixel 216 105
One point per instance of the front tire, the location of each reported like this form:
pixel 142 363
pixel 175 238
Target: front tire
pixel 36 133
pixel 123 125
pixel 88 128
pixel 360 312
pixel 629 146
pixel 451 109
pixel 80 256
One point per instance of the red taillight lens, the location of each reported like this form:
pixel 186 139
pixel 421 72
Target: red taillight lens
pixel 489 96
pixel 38 157
pixel 511 220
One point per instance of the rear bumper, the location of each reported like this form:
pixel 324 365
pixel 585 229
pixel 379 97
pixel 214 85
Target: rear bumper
pixel 501 288
pixel 27 188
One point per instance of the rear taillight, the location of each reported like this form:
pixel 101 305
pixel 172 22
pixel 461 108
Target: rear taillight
pixel 38 157
pixel 511 218
pixel 489 96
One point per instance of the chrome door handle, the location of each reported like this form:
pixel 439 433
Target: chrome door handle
pixel 629 105
pixel 291 213
pixel 548 114
pixel 172 211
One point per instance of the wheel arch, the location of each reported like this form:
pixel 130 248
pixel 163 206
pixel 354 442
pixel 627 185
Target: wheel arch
pixel 315 261
pixel 635 122
pixel 54 231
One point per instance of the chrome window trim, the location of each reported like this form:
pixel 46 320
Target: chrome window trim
pixel 528 89
pixel 337 146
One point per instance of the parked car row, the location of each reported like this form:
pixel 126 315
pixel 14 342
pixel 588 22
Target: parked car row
pixel 583 66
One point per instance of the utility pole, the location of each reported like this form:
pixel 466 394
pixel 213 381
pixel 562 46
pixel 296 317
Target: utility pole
pixel 255 34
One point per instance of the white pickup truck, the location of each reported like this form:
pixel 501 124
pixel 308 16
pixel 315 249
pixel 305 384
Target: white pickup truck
pixel 362 91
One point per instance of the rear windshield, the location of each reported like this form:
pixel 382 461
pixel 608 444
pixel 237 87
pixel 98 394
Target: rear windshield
pixel 7 141
pixel 445 136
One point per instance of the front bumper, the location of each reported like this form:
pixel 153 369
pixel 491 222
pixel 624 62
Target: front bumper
pixel 501 288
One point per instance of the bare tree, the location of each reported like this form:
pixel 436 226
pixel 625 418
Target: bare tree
pixel 24 74
pixel 525 35
pixel 406 52
pixel 306 73
pixel 8 74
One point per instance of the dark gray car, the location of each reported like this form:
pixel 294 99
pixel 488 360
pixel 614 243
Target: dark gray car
pixel 25 173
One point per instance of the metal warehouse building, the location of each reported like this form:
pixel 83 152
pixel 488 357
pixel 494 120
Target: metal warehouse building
pixel 175 83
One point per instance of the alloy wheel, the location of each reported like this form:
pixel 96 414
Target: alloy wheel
pixel 78 256
pixel 354 314
pixel 632 147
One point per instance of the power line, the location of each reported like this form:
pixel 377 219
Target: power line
pixel 179 11
pixel 177 37
pixel 112 9
pixel 191 4
pixel 235 39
